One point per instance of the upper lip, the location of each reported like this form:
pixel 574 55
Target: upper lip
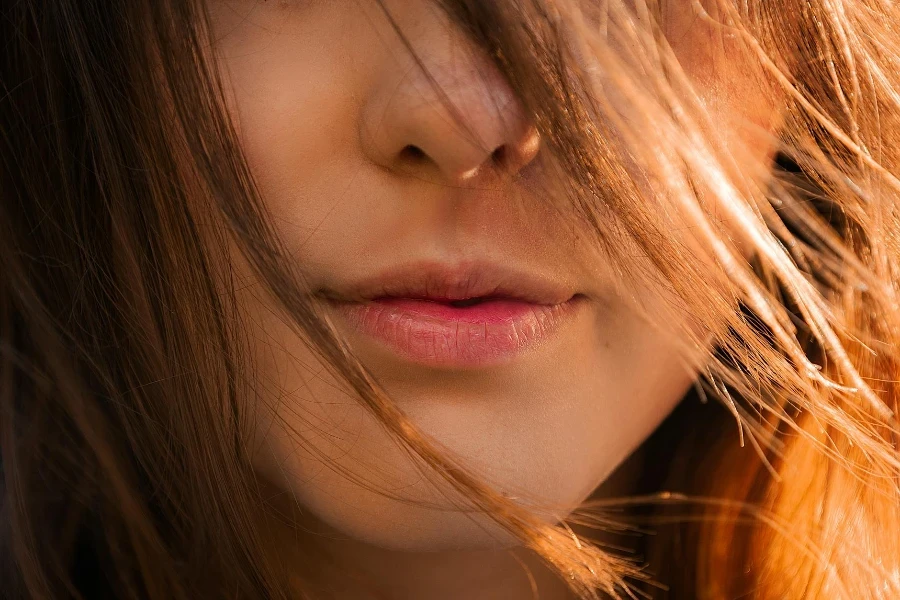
pixel 453 282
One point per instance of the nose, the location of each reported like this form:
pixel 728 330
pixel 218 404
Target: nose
pixel 449 112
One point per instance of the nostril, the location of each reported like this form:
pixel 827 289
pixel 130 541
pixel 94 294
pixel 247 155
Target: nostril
pixel 412 153
pixel 500 156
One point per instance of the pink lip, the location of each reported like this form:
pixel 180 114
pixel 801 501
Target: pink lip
pixel 415 312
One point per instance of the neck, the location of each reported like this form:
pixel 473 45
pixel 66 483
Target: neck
pixel 361 572
pixel 327 565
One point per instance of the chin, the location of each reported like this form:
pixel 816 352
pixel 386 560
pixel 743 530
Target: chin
pixel 392 502
pixel 412 524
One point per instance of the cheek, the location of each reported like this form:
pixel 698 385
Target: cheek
pixel 742 98
pixel 743 102
pixel 292 92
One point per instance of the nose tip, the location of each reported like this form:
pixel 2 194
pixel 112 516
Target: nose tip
pixel 452 114
pixel 462 155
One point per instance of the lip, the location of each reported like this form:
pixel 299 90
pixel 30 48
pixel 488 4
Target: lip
pixel 461 316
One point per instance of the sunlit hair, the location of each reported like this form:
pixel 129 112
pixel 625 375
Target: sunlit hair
pixel 124 429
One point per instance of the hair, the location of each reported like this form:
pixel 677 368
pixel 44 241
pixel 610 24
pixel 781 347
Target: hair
pixel 124 438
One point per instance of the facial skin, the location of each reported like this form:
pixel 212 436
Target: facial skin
pixel 327 102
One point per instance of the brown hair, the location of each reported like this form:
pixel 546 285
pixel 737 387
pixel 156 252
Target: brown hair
pixel 123 441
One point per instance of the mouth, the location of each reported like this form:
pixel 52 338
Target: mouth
pixel 458 317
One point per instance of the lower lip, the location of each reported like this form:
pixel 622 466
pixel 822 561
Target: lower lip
pixel 437 334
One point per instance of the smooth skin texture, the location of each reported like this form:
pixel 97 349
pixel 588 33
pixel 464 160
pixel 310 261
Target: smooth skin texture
pixel 327 102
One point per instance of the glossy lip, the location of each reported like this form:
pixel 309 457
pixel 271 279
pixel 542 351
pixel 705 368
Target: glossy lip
pixel 416 311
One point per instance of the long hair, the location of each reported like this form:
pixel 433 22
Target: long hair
pixel 124 437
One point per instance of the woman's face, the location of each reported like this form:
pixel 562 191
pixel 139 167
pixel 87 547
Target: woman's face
pixel 486 316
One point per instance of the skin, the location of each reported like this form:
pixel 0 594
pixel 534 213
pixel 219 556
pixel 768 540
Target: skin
pixel 325 98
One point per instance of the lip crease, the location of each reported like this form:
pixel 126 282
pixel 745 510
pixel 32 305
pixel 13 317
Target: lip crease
pixel 465 316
